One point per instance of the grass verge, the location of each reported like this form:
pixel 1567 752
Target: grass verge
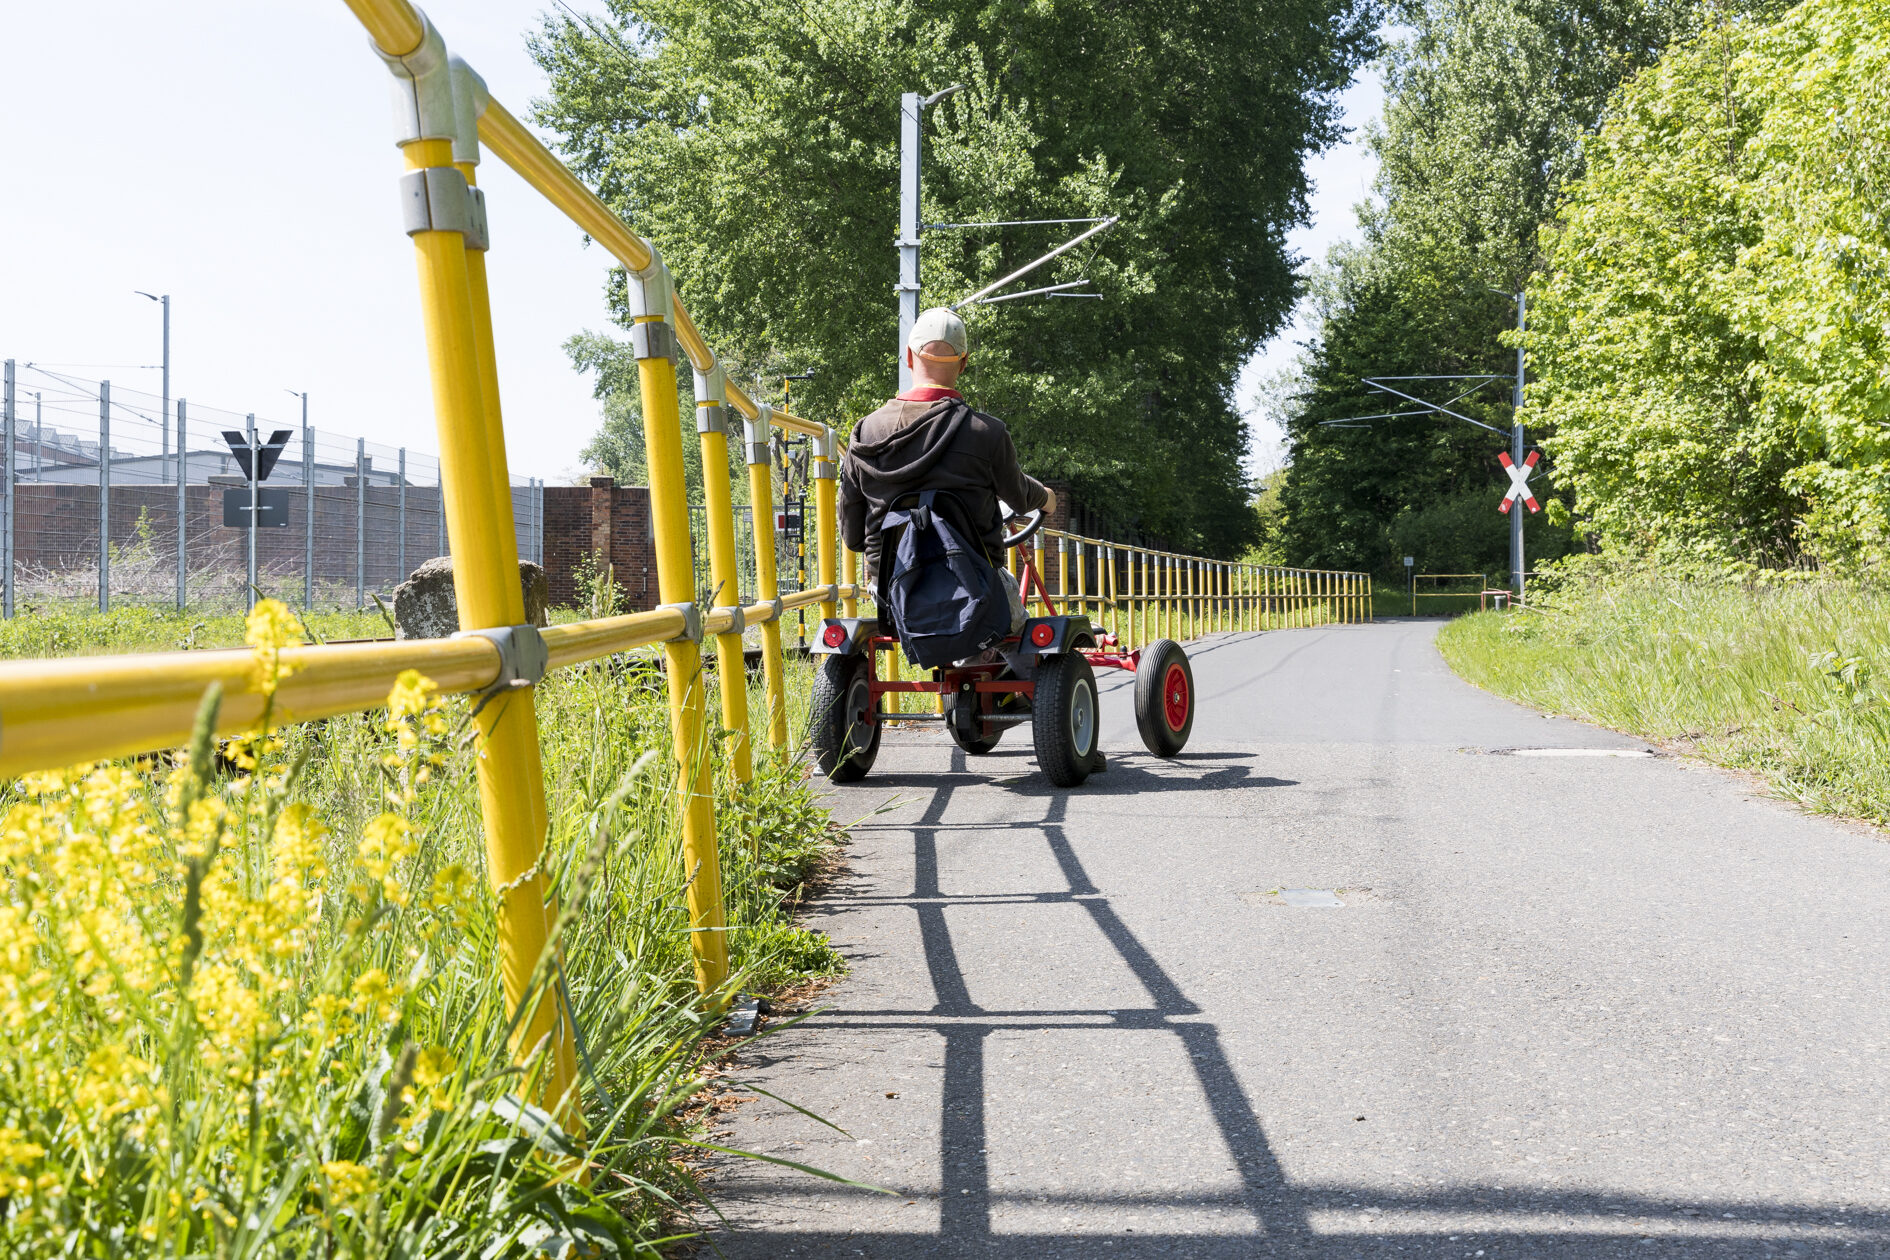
pixel 250 1000
pixel 1784 680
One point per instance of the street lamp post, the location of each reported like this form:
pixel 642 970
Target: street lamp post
pixel 164 423
pixel 911 110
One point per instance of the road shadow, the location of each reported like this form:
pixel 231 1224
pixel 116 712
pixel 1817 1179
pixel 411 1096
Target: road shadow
pixel 1311 1219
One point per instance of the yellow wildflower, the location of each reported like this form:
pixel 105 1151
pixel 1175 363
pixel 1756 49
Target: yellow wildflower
pixel 269 628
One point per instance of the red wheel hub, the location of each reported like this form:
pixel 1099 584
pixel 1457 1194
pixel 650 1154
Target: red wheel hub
pixel 1175 697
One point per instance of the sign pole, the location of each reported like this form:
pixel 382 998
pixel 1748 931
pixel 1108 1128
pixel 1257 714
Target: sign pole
pixel 1516 452
pixel 249 432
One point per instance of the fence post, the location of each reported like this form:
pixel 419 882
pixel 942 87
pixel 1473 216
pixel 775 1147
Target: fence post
pixel 183 507
pixel 1043 580
pixel 767 573
pixel 12 490
pixel 1138 577
pixel 104 496
pixel 360 524
pixel 448 233
pixel 826 514
pixel 400 546
pixel 249 535
pixel 308 512
pixel 724 575
pixel 653 341
pixel 1076 562
pixel 1063 574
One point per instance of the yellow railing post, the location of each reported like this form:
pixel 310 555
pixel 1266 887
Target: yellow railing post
pixel 1043 578
pixel 1063 573
pixel 1109 584
pixel 445 218
pixel 724 575
pixel 1138 581
pixel 826 514
pixel 1165 575
pixel 653 341
pixel 850 578
pixel 767 572
pixel 1194 598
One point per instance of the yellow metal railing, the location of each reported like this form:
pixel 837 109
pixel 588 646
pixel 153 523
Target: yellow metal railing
pixel 53 713
pixel 1144 594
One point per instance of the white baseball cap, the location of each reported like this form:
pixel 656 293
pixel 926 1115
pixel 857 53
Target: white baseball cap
pixel 941 323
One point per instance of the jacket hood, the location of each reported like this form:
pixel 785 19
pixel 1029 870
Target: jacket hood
pixel 907 455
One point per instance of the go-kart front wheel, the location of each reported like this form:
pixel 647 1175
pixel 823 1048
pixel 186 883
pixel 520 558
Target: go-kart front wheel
pixel 843 740
pixel 1164 697
pixel 1063 718
pixel 965 724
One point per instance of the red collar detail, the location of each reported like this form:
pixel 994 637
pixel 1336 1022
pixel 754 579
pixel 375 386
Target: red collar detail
pixel 928 393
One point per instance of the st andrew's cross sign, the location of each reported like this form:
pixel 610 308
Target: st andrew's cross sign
pixel 1519 482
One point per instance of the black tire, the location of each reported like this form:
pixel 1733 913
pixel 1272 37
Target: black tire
pixel 844 743
pixel 1164 697
pixel 1064 718
pixel 970 733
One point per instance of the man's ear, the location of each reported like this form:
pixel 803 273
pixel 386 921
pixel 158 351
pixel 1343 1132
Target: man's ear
pixel 909 360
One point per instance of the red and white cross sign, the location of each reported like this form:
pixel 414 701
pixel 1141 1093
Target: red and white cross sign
pixel 1519 482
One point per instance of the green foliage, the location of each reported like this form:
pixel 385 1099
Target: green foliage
pixel 80 631
pixel 1488 107
pixel 1783 678
pixel 759 149
pixel 1464 533
pixel 1712 334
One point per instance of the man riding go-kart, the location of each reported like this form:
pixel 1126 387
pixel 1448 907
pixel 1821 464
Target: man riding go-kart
pixel 920 492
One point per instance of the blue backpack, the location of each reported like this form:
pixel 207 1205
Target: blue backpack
pixel 939 591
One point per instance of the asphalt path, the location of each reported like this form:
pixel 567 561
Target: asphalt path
pixel 1566 1006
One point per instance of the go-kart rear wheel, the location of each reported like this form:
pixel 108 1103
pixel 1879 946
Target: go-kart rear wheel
pixel 844 742
pixel 1063 719
pixel 1164 697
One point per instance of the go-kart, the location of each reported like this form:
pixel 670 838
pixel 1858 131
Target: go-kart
pixel 1043 675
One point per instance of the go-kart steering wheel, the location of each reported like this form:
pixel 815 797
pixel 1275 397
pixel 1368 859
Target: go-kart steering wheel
pixel 1032 522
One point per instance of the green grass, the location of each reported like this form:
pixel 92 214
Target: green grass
pixel 269 1024
pixel 79 631
pixel 1786 680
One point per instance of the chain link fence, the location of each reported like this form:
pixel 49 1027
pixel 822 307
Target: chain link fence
pixel 113 498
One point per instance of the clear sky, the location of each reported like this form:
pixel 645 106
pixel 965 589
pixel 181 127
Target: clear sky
pixel 239 156
pixel 1342 178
